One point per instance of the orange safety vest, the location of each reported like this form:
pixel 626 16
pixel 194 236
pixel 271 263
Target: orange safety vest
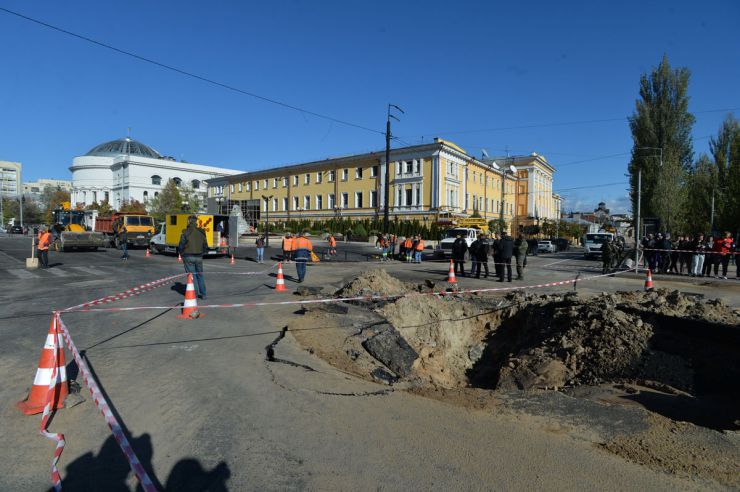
pixel 288 243
pixel 303 243
pixel 420 245
pixel 44 240
pixel 332 241
pixel 408 244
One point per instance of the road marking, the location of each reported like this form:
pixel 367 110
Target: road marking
pixel 91 270
pixel 11 257
pixel 22 274
pixel 556 262
pixel 57 272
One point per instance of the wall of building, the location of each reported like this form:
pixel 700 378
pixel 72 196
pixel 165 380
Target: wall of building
pixel 10 178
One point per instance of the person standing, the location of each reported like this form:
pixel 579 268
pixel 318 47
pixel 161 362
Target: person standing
pixel 392 246
pixel 409 247
pixel 302 252
pixel 260 243
pixel 684 257
pixel 497 265
pixel 723 248
pixel 708 256
pixel 44 241
pixel 520 253
pixel 287 247
pixel 505 252
pixel 607 254
pixel 418 249
pixel 697 258
pixel 383 244
pixel 459 248
pixel 332 245
pixel 123 237
pixel 479 251
pixel 193 244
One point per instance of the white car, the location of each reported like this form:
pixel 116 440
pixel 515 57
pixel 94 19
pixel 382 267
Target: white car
pixel 546 246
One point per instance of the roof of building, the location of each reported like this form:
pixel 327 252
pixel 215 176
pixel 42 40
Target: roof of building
pixel 124 146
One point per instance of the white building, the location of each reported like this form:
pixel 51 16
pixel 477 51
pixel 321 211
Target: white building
pixel 34 189
pixel 124 170
pixel 10 178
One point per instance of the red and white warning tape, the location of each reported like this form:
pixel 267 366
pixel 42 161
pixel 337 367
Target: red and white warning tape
pixel 104 407
pixel 140 289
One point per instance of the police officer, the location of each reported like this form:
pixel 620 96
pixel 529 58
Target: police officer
pixel 459 248
pixel 607 255
pixel 505 252
pixel 521 247
pixel 480 249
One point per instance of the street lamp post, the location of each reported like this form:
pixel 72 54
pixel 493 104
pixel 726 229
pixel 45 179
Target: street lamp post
pixel 267 218
pixel 386 187
pixel 512 169
pixel 639 202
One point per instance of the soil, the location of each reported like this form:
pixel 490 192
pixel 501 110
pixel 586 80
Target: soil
pixel 675 355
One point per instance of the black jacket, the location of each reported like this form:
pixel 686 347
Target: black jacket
pixel 506 247
pixel 459 248
pixel 193 242
pixel 481 248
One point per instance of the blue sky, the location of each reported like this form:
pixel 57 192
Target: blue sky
pixel 470 72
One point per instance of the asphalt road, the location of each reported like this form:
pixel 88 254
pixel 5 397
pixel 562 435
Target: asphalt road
pixel 204 410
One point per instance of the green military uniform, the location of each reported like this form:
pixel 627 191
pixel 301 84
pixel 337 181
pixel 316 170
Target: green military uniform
pixel 608 252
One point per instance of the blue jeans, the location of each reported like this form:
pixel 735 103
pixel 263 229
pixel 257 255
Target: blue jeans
pixel 124 248
pixel 417 256
pixel 260 254
pixel 194 265
pixel 300 268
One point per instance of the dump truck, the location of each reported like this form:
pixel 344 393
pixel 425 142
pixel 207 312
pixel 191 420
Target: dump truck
pixel 167 239
pixel 72 229
pixel 140 228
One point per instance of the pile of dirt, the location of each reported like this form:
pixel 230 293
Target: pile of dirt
pixel 375 282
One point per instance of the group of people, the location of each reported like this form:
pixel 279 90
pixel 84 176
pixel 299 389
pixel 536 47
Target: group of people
pixel 697 255
pixel 502 248
pixel 296 248
pixel 410 248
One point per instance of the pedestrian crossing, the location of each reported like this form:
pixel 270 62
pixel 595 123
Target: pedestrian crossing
pixel 65 271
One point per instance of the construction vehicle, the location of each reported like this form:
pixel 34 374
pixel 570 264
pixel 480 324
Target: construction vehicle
pixel 216 227
pixel 139 226
pixel 72 229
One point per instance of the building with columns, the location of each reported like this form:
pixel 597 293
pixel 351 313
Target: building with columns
pixel 427 182
pixel 125 170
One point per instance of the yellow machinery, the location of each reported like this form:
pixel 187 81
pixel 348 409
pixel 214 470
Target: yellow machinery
pixel 71 231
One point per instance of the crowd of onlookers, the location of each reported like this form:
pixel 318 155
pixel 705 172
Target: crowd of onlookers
pixel 697 255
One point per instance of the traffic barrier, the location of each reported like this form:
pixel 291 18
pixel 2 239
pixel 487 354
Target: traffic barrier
pixel 649 280
pixel 144 480
pixel 451 275
pixel 50 383
pixel 147 253
pixel 140 289
pixel 280 282
pixel 190 306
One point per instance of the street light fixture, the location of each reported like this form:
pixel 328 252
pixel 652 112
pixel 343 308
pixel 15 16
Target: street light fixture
pixel 267 218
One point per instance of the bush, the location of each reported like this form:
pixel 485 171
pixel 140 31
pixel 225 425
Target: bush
pixel 359 230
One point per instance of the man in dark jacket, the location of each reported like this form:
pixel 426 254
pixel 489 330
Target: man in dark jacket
pixel 505 252
pixel 193 244
pixel 497 266
pixel 459 248
pixel 479 250
pixel 123 237
pixel 520 252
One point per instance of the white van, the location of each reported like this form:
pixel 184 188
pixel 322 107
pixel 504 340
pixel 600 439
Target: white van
pixel 592 243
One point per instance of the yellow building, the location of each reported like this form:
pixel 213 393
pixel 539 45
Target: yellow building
pixel 427 182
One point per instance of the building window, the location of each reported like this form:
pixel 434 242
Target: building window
pixel 231 188
pixel 274 204
pixel 417 166
pixel 146 196
pixel 374 172
pixel 358 199
pixel 373 198
pixel 398 167
pixel 409 196
pixel 319 202
pixel 345 174
pixel 331 201
pixel 345 200
pixel 265 183
pixel 358 173
pixel 156 180
pixel 274 183
pixel 196 184
pixel 240 188
pixel 285 204
pixel 295 203
pixel 418 195
pixel 409 167
pixel 307 202
pixel 467 197
pixel 319 176
pixel 400 197
pixel 257 185
pixel 332 176
pixel 156 193
pixel 177 181
pixel 295 180
pixel 307 179
pixel 285 182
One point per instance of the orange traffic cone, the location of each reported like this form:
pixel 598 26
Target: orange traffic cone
pixel 649 281
pixel 280 284
pixel 232 260
pixel 179 258
pixel 190 306
pixel 147 253
pixel 451 276
pixel 39 394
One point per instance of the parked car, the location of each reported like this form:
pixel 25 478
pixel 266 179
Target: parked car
pixel 546 246
pixel 16 229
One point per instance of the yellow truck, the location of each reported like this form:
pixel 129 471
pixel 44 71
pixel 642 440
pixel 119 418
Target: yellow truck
pixel 168 235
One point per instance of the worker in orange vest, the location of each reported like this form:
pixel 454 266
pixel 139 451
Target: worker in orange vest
pixel 287 247
pixel 303 249
pixel 44 241
pixel 408 246
pixel 332 245
pixel 419 248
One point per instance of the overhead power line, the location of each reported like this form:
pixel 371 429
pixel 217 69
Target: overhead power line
pixel 190 74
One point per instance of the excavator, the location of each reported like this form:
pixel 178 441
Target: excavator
pixel 71 231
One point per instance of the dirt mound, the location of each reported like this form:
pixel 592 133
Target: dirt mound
pixel 375 282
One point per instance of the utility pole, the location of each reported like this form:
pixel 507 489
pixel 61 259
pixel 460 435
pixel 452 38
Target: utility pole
pixel 386 200
pixel 639 202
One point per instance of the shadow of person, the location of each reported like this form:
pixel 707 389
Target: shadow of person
pixel 188 475
pixel 109 469
pixel 179 287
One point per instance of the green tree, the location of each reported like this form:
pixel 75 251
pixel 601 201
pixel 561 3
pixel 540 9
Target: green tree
pixel 134 206
pixel 701 181
pixel 662 121
pixel 169 201
pixel 725 149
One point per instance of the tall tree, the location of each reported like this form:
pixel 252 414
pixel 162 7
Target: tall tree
pixel 725 149
pixel 662 121
pixel 169 201
pixel 700 183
